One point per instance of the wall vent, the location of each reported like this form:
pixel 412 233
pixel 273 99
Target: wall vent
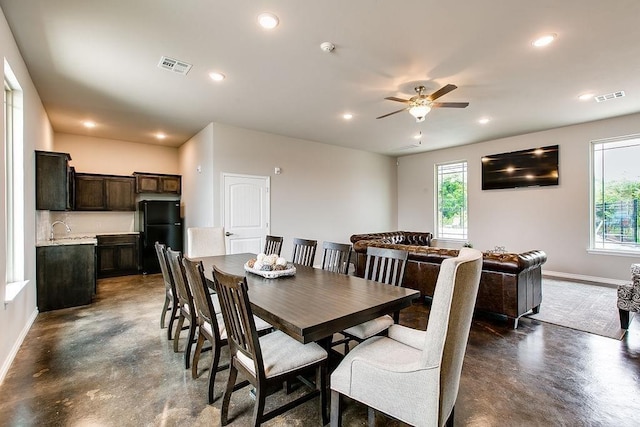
pixel 608 96
pixel 174 65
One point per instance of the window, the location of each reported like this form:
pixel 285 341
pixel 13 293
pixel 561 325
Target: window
pixel 615 193
pixel 451 201
pixel 13 185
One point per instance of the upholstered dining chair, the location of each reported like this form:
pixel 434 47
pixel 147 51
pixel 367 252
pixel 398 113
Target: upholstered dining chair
pixel 273 245
pixel 186 306
pixel 265 361
pixel 205 241
pixel 336 257
pixel 384 266
pixel 171 303
pixel 304 251
pixel 414 375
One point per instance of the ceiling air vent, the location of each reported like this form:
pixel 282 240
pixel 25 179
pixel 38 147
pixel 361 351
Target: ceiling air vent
pixel 608 96
pixel 174 65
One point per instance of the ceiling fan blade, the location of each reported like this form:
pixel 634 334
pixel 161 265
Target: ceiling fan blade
pixel 442 91
pixel 387 115
pixel 449 104
pixel 393 98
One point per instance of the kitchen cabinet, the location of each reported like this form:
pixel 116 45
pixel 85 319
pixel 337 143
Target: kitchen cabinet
pixel 157 183
pixel 118 254
pixel 53 178
pixel 66 276
pixel 95 192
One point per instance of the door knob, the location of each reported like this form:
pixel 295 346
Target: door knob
pixel 228 234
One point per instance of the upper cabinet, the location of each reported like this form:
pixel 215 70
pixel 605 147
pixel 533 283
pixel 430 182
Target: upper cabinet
pixel 104 192
pixel 53 180
pixel 157 183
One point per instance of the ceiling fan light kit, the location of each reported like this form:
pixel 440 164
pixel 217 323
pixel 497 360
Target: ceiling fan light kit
pixel 420 105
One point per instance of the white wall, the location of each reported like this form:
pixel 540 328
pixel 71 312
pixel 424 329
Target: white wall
pixel 324 192
pixel 554 219
pixel 16 317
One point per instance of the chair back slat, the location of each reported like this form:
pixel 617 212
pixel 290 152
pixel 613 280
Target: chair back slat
pixel 236 310
pixel 304 251
pixel 273 245
pixel 386 265
pixel 198 285
pixel 336 257
pixel 174 262
pixel 161 252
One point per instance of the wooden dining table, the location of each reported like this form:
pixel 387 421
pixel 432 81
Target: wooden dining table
pixel 312 304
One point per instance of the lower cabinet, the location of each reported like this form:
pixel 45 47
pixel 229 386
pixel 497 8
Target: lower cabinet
pixel 66 276
pixel 118 254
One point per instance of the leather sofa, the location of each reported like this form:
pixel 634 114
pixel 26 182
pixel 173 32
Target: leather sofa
pixel 510 284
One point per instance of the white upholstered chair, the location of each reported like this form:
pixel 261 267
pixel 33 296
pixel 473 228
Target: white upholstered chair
pixel 205 241
pixel 414 375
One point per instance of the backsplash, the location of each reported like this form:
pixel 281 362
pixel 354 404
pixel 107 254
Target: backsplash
pixel 89 223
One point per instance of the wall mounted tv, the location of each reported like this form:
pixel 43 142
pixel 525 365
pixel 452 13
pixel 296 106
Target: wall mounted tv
pixel 525 168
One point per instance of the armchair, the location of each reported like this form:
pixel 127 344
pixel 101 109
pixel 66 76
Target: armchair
pixel 629 297
pixel 414 375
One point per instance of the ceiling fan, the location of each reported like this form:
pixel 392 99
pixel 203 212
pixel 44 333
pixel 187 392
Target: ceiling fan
pixel 420 105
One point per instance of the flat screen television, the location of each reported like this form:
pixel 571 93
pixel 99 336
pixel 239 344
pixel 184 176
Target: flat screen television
pixel 525 168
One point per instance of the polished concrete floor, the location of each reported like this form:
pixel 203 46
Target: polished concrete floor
pixel 109 364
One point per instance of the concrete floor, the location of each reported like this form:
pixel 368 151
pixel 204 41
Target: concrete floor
pixel 109 364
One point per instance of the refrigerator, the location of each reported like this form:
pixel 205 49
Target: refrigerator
pixel 159 222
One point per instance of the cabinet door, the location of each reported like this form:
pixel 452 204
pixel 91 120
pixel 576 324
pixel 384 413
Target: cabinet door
pixel 120 194
pixel 170 184
pixel 51 181
pixel 90 193
pixel 106 260
pixel 147 183
pixel 127 258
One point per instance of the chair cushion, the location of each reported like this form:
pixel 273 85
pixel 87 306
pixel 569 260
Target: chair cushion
pixel 216 303
pixel 372 327
pixel 221 328
pixel 282 354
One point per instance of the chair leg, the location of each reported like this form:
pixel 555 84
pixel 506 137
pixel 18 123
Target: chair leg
pixel 336 409
pixel 371 416
pixel 165 308
pixel 187 350
pixel 321 385
pixel 224 411
pixel 624 318
pixel 449 422
pixel 174 312
pixel 196 356
pixel 176 338
pixel 215 360
pixel 258 409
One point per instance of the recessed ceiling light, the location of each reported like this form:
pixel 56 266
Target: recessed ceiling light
pixel 483 121
pixel 160 135
pixel 218 77
pixel 268 21
pixel 586 97
pixel 89 124
pixel 347 116
pixel 544 40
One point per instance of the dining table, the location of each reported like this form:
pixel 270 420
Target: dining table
pixel 312 304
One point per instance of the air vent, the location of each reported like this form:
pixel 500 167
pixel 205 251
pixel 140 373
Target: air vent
pixel 174 65
pixel 608 96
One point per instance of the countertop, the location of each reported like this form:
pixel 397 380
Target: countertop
pixel 78 239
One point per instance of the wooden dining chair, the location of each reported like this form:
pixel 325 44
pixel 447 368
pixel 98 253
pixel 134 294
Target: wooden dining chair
pixel 304 251
pixel 336 257
pixel 265 361
pixel 273 245
pixel 171 303
pixel 186 306
pixel 384 266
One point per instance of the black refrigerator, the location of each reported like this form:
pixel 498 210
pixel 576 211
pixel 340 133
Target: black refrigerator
pixel 159 222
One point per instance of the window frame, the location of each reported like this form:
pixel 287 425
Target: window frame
pixel 464 165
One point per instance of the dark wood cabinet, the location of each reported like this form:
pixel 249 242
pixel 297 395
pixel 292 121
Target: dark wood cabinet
pixel 66 276
pixel 157 183
pixel 104 193
pixel 52 181
pixel 118 254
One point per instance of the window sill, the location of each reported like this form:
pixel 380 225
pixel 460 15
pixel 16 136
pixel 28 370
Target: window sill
pixel 614 252
pixel 12 290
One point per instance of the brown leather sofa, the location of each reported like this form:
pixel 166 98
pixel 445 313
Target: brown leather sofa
pixel 510 284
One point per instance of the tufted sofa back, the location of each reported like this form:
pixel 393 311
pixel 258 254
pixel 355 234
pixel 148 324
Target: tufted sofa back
pixel 397 238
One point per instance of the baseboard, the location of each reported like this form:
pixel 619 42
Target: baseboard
pixel 602 281
pixel 16 346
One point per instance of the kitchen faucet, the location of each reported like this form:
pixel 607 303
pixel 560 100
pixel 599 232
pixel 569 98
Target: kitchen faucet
pixel 58 222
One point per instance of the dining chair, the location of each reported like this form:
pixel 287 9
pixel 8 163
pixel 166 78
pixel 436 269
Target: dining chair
pixel 186 306
pixel 171 303
pixel 265 361
pixel 304 251
pixel 384 266
pixel 413 375
pixel 273 245
pixel 205 241
pixel 336 257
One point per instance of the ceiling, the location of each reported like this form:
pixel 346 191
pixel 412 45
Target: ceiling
pixel 98 60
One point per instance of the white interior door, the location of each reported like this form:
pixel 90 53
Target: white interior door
pixel 246 212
